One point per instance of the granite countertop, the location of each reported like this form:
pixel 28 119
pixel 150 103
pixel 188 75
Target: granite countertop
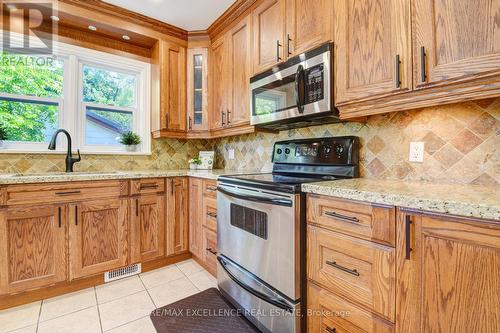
pixel 464 200
pixel 6 179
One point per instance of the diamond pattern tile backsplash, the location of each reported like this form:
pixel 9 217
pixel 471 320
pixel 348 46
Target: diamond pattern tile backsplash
pixel 461 144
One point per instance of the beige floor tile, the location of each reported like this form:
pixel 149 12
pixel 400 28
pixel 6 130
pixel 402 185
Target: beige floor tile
pixel 189 267
pixel 68 303
pixel 19 317
pixel 172 291
pixel 161 276
pixel 84 321
pixel 203 280
pixel 143 325
pixel 125 310
pixel 29 329
pixel 117 289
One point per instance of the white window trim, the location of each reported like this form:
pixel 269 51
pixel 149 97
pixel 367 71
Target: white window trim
pixel 71 104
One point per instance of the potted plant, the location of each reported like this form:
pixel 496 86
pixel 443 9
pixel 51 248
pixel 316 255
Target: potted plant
pixel 3 136
pixel 194 162
pixel 130 140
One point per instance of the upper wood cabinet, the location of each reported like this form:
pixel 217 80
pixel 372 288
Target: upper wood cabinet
pixel 197 89
pixel 239 63
pixel 448 273
pixel 309 23
pixel 177 215
pixel 219 77
pixel 455 41
pixel 147 227
pixel 268 34
pixel 372 48
pixel 32 247
pixel 97 236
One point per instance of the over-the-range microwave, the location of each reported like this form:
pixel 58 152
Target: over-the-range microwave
pixel 296 93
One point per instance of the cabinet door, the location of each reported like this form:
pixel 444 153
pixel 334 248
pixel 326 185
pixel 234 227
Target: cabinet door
pixel 196 216
pixel 173 86
pixel 97 236
pixel 177 215
pixel 309 24
pixel 239 65
pixel 269 34
pixel 147 227
pixel 449 280
pixel 197 90
pixel 219 65
pixel 459 40
pixel 210 250
pixel 370 37
pixel 32 247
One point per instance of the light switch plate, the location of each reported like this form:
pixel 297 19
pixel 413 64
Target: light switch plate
pixel 230 152
pixel 416 152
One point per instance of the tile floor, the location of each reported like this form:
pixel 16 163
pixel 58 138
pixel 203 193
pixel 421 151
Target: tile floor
pixel 118 307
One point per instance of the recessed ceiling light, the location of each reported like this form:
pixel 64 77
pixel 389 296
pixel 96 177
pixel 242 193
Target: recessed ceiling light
pixel 93 28
pixel 126 37
pixel 54 18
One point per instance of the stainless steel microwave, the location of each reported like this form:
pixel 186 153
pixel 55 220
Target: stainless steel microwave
pixel 296 93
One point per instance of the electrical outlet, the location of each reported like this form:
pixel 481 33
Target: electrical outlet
pixel 416 152
pixel 230 152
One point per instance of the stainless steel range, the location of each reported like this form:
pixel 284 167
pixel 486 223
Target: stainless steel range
pixel 261 230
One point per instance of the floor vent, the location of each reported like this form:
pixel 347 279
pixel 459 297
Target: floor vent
pixel 121 273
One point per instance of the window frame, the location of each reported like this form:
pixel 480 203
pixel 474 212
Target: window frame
pixel 72 115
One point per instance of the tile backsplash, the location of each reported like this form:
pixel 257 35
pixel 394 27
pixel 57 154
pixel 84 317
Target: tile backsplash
pixel 461 144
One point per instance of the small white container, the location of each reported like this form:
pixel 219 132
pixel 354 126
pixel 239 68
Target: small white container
pixel 132 148
pixel 193 166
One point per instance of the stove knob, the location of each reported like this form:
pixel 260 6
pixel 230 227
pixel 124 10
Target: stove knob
pixel 339 150
pixel 279 151
pixel 287 151
pixel 327 150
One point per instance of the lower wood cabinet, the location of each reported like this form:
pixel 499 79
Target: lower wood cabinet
pixel 177 228
pixel 196 216
pixel 448 272
pixel 32 247
pixel 97 236
pixel 210 250
pixel 147 227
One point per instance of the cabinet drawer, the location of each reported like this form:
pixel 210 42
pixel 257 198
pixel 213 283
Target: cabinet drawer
pixel 367 221
pixel 210 213
pixel 210 250
pixel 331 313
pixel 64 192
pixel 210 188
pixel 147 186
pixel 359 270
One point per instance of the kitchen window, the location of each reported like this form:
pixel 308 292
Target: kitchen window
pixel 94 95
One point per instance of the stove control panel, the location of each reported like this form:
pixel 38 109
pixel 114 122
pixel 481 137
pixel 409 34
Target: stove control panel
pixel 331 151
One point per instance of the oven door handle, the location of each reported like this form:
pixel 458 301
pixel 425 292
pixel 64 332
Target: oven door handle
pixel 274 301
pixel 257 198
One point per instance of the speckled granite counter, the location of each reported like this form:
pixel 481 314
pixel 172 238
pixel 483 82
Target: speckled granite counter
pixel 465 200
pixel 6 179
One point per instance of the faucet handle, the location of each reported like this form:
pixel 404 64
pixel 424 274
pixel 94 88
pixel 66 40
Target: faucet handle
pixel 79 156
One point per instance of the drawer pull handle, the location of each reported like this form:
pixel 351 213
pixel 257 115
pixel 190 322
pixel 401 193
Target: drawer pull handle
pixel 331 330
pixel 212 188
pixel 76 215
pixel 148 186
pixel 136 207
pixel 342 268
pixel 60 216
pixel 213 215
pixel 349 219
pixel 209 249
pixel 408 248
pixel 68 193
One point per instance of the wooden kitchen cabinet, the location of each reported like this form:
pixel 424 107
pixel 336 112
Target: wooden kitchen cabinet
pixel 32 247
pixel 448 273
pixel 219 77
pixel 177 215
pixel 309 23
pixel 268 34
pixel 197 89
pixel 196 217
pixel 372 45
pixel 147 227
pixel 455 41
pixel 98 232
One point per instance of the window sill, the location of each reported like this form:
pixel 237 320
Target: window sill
pixel 63 152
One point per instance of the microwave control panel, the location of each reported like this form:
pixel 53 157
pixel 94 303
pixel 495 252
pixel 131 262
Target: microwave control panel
pixel 315 90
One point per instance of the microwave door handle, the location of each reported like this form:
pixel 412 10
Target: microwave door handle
pixel 276 302
pixel 300 88
pixel 256 198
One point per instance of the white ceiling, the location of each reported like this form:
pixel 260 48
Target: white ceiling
pixel 186 14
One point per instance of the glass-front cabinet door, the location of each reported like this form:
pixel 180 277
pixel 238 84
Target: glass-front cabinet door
pixel 197 89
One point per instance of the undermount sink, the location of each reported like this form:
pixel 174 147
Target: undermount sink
pixel 56 174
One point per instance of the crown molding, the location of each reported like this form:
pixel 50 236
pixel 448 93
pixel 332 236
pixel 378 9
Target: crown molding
pixel 230 15
pixel 109 9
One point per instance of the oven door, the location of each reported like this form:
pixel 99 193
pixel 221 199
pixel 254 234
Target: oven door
pixel 299 89
pixel 259 230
